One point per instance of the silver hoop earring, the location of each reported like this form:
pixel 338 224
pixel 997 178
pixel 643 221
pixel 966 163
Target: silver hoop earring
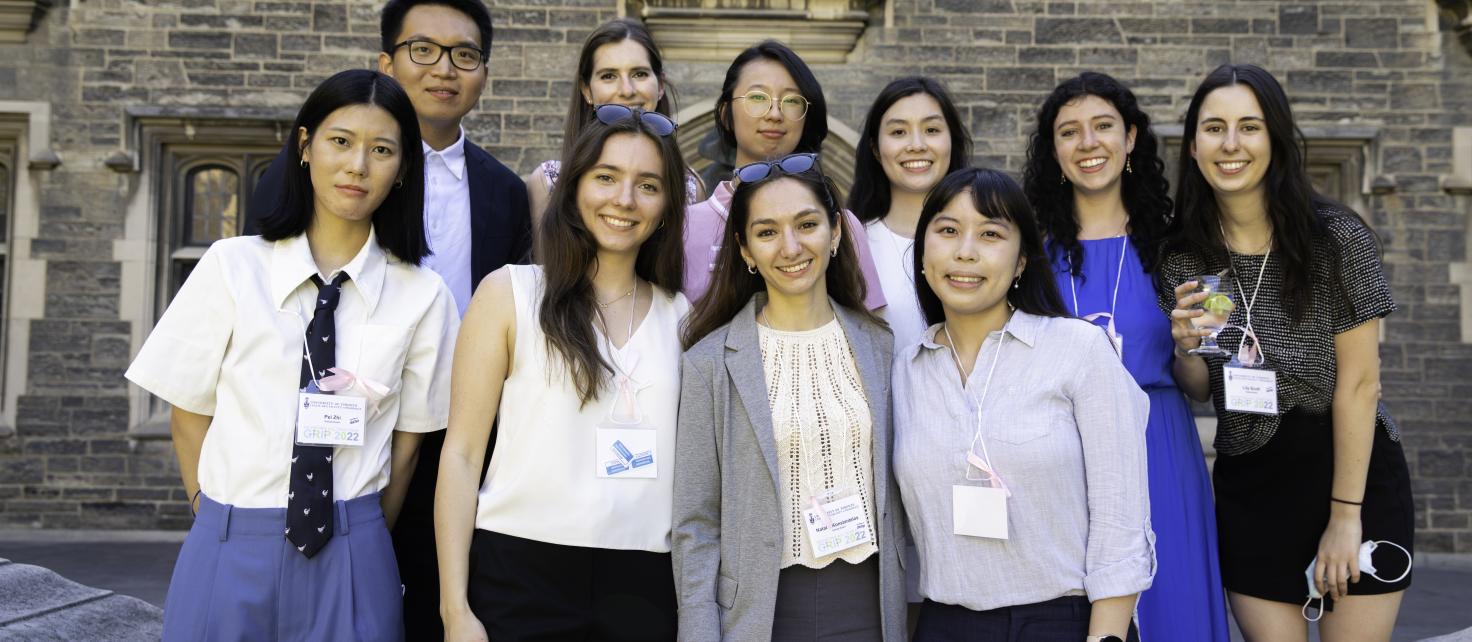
pixel 750 268
pixel 833 253
pixel 304 163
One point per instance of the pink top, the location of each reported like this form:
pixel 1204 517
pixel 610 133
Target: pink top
pixel 705 229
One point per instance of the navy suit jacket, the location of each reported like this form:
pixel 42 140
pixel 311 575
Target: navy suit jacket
pixel 500 217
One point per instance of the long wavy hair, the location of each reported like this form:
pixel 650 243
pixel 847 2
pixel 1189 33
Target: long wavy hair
pixel 1145 191
pixel 995 195
pixel 568 252
pixel 579 112
pixel 731 286
pixel 1296 211
pixel 869 199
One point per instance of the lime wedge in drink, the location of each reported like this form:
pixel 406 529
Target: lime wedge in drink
pixel 1218 304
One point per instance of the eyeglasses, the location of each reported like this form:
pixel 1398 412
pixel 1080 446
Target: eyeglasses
pixel 612 114
pixel 790 164
pixel 429 52
pixel 758 103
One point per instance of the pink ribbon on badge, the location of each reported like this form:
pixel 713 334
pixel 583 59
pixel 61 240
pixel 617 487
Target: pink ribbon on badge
pixel 991 475
pixel 341 380
pixel 822 514
pixel 1248 354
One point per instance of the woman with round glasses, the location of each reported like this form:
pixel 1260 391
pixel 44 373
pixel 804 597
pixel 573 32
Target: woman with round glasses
pixel 619 64
pixel 575 362
pixel 1101 196
pixel 1019 437
pixel 913 136
pixel 770 106
pixel 787 523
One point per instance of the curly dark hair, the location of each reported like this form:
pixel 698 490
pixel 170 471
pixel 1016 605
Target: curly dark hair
pixel 1145 191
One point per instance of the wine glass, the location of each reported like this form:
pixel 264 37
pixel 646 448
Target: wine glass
pixel 1218 306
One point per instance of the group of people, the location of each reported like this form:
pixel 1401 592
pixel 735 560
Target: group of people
pixel 612 402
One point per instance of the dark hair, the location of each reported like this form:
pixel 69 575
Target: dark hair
pixel 995 195
pixel 1144 190
pixel 579 112
pixel 869 199
pixel 814 124
pixel 731 285
pixel 399 220
pixel 391 21
pixel 1292 203
pixel 568 252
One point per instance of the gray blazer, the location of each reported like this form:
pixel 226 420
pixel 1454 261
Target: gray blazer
pixel 727 520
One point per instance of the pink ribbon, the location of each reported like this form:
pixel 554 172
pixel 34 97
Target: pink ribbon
pixel 343 380
pixel 1248 354
pixel 991 475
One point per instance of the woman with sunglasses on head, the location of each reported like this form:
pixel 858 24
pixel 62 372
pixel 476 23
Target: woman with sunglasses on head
pixel 1310 474
pixel 303 367
pixel 1102 200
pixel 912 137
pixel 787 522
pixel 619 65
pixel 568 537
pixel 1019 437
pixel 770 106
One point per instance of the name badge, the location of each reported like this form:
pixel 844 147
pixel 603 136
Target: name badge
pixel 979 511
pixel 626 453
pixel 330 420
pixel 1253 390
pixel 837 525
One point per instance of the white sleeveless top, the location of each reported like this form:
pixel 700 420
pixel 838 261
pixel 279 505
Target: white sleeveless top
pixel 542 483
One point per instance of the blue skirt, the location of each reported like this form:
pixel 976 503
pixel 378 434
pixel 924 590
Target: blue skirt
pixel 238 578
pixel 1186 600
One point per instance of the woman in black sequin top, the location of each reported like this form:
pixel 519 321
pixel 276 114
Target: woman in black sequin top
pixel 1309 483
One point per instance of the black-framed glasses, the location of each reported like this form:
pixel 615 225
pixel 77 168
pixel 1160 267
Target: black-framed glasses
pixel 758 103
pixel 613 113
pixel 429 52
pixel 790 164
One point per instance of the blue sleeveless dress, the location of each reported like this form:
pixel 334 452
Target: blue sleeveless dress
pixel 1186 601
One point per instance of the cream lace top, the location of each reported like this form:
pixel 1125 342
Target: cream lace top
pixel 823 432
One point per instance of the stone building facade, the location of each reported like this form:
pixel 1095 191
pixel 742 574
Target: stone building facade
pixel 131 132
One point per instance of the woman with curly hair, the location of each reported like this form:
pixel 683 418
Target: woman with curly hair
pixel 1101 199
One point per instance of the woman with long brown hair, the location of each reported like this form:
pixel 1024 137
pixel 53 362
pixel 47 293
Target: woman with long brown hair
pixel 576 363
pixel 783 492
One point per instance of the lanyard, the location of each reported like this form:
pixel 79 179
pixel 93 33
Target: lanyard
pixel 1114 299
pixel 983 463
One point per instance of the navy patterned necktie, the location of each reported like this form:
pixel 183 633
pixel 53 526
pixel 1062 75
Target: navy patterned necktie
pixel 309 502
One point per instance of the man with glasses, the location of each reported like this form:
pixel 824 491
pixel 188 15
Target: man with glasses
pixel 476 219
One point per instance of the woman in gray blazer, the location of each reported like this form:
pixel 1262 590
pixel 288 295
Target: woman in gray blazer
pixel 787 521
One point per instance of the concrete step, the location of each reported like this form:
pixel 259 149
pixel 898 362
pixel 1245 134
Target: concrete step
pixel 38 604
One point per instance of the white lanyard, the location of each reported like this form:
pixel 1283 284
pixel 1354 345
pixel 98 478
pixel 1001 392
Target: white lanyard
pixel 984 463
pixel 1258 354
pixel 1118 277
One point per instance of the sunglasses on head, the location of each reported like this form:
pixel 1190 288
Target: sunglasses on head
pixel 790 164
pixel 611 114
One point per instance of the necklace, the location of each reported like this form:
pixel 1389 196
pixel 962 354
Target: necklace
pixel 619 297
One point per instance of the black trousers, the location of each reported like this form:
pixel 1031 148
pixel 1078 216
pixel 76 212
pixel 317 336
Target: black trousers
pixel 525 590
pixel 1064 619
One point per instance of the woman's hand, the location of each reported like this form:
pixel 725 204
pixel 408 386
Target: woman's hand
pixel 1339 549
pixel 1186 336
pixel 464 627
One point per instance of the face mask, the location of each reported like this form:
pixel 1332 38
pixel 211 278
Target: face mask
pixel 1366 567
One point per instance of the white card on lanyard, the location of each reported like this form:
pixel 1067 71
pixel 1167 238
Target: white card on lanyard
pixel 330 420
pixel 624 444
pixel 1253 390
pixel 979 511
pixel 837 525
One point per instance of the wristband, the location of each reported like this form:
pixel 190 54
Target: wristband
pixel 1344 501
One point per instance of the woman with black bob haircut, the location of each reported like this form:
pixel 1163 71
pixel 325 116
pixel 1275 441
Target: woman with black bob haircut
pixel 303 367
pixel 912 137
pixel 784 499
pixel 1099 189
pixel 770 106
pixel 1310 473
pixel 576 364
pixel 619 64
pixel 1019 437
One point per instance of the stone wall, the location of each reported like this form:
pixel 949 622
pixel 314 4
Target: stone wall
pixel 72 460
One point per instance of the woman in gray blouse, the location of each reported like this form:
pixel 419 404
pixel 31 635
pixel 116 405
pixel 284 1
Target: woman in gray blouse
pixel 786 517
pixel 1019 437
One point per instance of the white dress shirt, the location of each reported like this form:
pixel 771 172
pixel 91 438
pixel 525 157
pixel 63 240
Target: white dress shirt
pixel 230 346
pixel 447 218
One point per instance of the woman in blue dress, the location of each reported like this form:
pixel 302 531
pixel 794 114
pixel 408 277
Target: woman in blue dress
pixel 1101 197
